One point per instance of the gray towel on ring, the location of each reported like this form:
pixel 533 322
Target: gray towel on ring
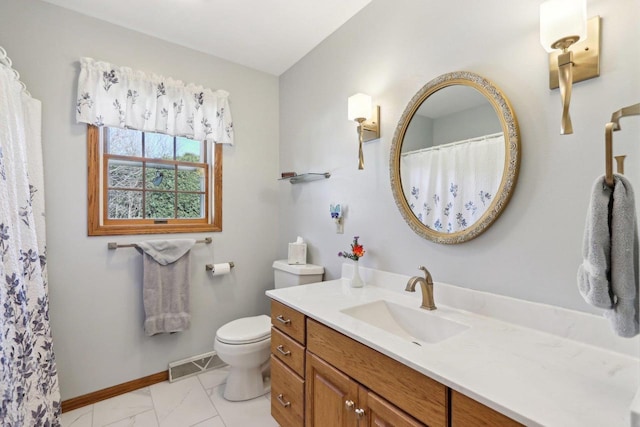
pixel 609 275
pixel 165 285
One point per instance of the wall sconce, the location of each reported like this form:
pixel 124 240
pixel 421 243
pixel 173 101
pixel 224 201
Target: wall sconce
pixel 368 118
pixel 574 48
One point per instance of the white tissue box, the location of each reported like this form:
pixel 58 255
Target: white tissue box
pixel 297 253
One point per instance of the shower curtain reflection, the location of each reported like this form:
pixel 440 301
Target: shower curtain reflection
pixel 449 187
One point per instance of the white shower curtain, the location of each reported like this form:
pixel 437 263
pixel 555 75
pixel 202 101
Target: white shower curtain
pixel 29 393
pixel 450 186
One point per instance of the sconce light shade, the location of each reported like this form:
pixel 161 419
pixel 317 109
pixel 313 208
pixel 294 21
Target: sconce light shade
pixel 359 107
pixel 561 19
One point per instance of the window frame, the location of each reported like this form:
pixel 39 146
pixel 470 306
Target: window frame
pixel 98 225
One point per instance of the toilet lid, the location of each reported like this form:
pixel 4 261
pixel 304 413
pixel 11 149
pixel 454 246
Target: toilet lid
pixel 246 330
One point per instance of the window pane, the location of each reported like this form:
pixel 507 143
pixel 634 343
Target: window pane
pixel 190 178
pixel 191 205
pixel 125 174
pixel 158 146
pixel 160 177
pixel 188 150
pixel 125 204
pixel 160 205
pixel 124 142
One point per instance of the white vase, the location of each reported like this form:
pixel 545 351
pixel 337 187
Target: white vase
pixel 356 280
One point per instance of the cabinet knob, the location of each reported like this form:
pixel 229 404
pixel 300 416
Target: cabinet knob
pixel 282 351
pixel 359 413
pixel 282 402
pixel 282 320
pixel 349 404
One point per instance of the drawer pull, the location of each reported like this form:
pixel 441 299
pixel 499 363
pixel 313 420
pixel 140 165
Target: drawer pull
pixel 282 351
pixel 282 320
pixel 349 404
pixel 359 413
pixel 282 402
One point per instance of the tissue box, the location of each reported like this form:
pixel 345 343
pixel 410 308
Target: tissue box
pixel 297 253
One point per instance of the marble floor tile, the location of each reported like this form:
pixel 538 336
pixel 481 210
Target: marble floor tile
pixel 182 403
pixel 254 413
pixel 190 402
pixel 145 419
pixel 121 407
pixel 211 422
pixel 81 417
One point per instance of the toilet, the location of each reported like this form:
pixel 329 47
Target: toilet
pixel 245 344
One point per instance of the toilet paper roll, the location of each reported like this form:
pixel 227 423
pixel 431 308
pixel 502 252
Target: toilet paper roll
pixel 221 269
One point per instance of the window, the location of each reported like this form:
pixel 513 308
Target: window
pixel 143 182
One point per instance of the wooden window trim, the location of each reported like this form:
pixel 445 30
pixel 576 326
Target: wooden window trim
pixel 143 226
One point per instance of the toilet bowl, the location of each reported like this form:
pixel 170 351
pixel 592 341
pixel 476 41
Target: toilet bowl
pixel 245 344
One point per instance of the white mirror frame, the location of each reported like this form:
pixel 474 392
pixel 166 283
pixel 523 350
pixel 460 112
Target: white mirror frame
pixel 511 131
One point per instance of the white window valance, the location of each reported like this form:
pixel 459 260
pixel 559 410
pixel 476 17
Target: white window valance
pixel 109 95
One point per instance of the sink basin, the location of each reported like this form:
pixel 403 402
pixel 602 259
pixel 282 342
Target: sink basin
pixel 414 324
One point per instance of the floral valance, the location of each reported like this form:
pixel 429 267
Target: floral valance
pixel 109 95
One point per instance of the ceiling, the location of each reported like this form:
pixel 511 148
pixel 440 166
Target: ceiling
pixel 268 35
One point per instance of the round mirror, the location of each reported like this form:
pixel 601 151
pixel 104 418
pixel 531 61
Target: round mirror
pixel 455 157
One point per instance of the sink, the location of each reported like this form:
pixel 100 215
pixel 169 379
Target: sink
pixel 413 324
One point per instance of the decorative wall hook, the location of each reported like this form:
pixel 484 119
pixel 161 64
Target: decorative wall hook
pixel 337 213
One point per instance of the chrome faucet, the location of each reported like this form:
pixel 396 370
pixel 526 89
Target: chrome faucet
pixel 426 284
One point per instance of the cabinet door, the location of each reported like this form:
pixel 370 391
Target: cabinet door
pixel 328 394
pixel 381 413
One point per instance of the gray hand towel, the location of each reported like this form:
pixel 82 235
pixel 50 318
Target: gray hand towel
pixel 165 289
pixel 609 275
pixel 593 273
pixel 624 261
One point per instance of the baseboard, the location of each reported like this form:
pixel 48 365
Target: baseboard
pixel 116 390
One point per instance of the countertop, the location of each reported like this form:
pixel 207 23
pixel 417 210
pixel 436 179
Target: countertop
pixel 532 376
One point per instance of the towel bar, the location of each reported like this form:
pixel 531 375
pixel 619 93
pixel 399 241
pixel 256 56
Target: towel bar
pixel 114 245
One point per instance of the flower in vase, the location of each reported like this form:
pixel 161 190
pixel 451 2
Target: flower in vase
pixel 357 250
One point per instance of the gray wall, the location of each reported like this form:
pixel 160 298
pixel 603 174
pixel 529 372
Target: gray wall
pixel 466 124
pixel 96 309
pixel 390 50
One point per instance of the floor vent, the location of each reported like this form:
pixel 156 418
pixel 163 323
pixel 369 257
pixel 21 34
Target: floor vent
pixel 194 365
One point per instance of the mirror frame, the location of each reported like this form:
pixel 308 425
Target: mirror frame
pixel 511 169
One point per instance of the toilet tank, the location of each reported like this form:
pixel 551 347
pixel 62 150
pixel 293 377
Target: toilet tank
pixel 286 275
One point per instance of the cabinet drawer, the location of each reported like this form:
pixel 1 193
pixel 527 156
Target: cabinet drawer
pixel 466 411
pixel 287 395
pixel 287 351
pixel 288 320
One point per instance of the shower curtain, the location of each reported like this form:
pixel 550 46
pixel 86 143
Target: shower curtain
pixel 449 187
pixel 29 393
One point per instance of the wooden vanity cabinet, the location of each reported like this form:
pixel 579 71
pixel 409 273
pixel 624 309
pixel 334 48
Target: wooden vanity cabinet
pixel 320 377
pixel 288 337
pixel 467 412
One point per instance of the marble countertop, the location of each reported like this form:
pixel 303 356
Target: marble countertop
pixel 532 376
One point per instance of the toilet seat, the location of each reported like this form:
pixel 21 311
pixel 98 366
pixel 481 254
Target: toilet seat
pixel 246 330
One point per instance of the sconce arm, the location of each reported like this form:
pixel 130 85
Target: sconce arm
pixel 565 79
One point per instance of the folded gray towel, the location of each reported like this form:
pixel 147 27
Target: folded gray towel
pixel 165 289
pixel 608 276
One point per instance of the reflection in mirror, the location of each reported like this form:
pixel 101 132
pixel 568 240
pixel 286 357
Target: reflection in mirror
pixel 455 158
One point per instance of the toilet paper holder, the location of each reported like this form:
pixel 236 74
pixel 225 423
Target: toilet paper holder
pixel 210 267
